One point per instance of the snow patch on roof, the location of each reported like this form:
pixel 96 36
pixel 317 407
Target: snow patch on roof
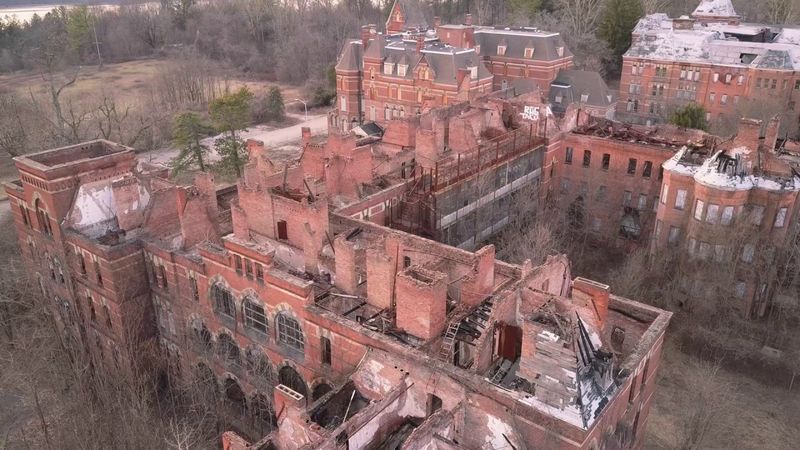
pixel 715 8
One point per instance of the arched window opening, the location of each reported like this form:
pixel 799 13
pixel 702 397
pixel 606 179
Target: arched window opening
pixel 234 396
pixel 107 314
pixel 289 332
pixel 262 411
pixel 162 272
pixel 320 390
pixel 92 312
pixel 289 377
pixel 223 301
pixel 201 334
pixel 60 271
pixel 228 350
pixel 206 383
pixel 254 316
pixel 43 218
pixel 259 367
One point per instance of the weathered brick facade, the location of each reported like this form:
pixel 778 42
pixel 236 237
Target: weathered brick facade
pixel 413 66
pixel 291 296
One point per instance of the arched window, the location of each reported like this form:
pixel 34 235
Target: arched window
pixel 254 315
pixel 261 409
pixel 291 379
pixel 259 367
pixel 228 350
pixel 92 312
pixel 201 334
pixel 107 313
pixel 206 382
pixel 289 332
pixel 60 271
pixel 223 301
pixel 234 395
pixel 42 218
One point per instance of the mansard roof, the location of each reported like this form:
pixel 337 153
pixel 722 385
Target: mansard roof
pixel 545 44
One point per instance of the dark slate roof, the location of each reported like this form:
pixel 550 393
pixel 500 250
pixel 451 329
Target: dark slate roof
pixel 375 47
pixel 350 58
pixel 516 40
pixel 414 16
pixel 444 60
pixel 573 84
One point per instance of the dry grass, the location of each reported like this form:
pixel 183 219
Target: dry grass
pixel 756 416
pixel 128 81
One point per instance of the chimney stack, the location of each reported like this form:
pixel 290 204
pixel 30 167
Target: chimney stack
pixel 468 19
pixel 437 22
pixel 420 43
pixel 306 133
pixel 366 32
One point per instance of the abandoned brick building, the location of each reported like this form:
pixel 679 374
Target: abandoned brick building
pixel 712 59
pixel 291 299
pixel 414 66
pixel 741 184
pixel 666 188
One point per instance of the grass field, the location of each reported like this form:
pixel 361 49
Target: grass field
pixel 127 80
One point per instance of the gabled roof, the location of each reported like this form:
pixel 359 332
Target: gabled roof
pixel 412 13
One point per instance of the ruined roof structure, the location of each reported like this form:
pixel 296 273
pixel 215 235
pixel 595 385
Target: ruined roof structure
pixel 699 39
pixel 319 324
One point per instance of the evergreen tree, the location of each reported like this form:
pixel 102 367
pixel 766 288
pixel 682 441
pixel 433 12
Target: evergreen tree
pixel 189 129
pixel 690 116
pixel 231 113
pixel 275 109
pixel 233 156
pixel 619 19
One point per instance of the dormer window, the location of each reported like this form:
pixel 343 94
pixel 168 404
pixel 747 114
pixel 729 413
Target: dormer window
pixel 584 98
pixel 401 70
pixel 478 49
pixel 560 51
pixel 529 53
pixel 388 68
pixel 473 72
pixel 501 50
pixel 559 98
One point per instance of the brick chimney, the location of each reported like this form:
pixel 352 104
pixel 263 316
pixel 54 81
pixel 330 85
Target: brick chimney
pixel 347 259
pixel 420 43
pixel 437 22
pixel 747 142
pixel 204 182
pixel 255 148
pixel 421 302
pixel 683 23
pixel 595 295
pixel 366 32
pixel 468 19
pixel 306 133
pixel 771 135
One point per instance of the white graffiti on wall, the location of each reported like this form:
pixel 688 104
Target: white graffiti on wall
pixel 531 113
